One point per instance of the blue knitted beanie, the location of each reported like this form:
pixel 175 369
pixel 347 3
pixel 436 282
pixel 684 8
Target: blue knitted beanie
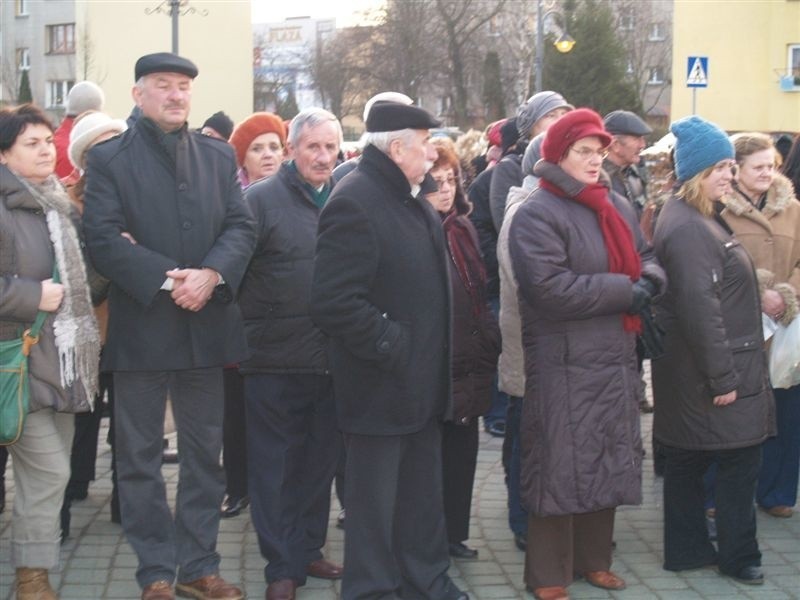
pixel 699 144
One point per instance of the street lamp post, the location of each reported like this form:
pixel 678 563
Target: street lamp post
pixel 564 43
pixel 175 9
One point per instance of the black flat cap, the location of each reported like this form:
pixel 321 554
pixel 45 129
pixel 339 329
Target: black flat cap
pixel 624 122
pixel 392 116
pixel 164 62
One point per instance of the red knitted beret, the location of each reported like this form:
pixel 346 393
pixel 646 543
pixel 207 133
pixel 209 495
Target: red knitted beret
pixel 252 127
pixel 573 126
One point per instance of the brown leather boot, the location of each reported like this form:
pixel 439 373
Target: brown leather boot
pixel 33 584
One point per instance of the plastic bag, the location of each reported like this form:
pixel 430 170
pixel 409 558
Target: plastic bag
pixel 784 356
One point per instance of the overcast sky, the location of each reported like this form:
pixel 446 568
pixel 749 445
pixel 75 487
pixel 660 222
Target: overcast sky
pixel 345 11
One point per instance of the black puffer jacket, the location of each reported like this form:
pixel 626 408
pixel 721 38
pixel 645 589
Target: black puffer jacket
pixel 714 342
pixel 275 293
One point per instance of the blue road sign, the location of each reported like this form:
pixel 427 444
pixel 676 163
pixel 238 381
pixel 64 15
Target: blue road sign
pixel 697 72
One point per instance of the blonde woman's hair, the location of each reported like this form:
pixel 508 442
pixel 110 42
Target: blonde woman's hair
pixel 691 192
pixel 749 143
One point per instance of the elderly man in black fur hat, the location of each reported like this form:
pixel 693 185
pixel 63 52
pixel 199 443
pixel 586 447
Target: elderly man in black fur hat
pixel 381 292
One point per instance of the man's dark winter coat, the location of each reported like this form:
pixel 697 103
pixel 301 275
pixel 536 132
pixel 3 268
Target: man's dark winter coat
pixel 381 291
pixel 276 289
pixel 185 211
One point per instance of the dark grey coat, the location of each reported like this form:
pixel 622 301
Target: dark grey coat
pixel 277 286
pixel 26 259
pixel 381 291
pixel 581 445
pixel 714 340
pixel 185 211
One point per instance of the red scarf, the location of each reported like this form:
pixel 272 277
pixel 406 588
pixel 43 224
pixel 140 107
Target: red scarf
pixel 467 259
pixel 622 254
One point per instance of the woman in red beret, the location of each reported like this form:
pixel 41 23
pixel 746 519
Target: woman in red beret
pixel 584 274
pixel 259 141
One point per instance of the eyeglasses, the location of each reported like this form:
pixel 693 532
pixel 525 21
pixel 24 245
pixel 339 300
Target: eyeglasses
pixel 451 181
pixel 588 153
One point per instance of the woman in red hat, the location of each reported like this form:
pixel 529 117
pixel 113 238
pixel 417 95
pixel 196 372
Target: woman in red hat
pixel 259 141
pixel 584 274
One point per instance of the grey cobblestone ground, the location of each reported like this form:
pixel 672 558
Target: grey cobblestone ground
pixel 97 563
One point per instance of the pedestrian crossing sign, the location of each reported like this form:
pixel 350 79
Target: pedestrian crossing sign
pixel 697 72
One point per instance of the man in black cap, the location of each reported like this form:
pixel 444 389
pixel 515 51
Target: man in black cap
pixel 172 323
pixel 381 292
pixel 629 137
pixel 622 163
pixel 219 125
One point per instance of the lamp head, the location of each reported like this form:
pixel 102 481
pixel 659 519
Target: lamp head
pixel 564 43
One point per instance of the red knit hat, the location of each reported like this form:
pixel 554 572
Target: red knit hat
pixel 493 132
pixel 252 127
pixel 573 126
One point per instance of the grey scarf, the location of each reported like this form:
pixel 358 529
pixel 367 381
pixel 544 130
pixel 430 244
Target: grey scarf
pixel 77 337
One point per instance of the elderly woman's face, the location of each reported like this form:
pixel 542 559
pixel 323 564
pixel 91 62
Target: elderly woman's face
pixel 443 199
pixel 756 172
pixel 584 160
pixel 33 155
pixel 263 157
pixel 717 183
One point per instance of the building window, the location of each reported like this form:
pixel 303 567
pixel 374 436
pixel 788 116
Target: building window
pixel 21 8
pixel 626 20
pixel 656 33
pixel 57 92
pixel 793 64
pixel 61 39
pixel 656 76
pixel 23 59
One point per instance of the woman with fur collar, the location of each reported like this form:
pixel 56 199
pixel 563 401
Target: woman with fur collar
pixel 764 215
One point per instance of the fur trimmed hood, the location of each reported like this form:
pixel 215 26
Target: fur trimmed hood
pixel 779 196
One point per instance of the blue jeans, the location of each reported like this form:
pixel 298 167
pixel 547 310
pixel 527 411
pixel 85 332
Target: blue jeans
pixel 498 409
pixel 777 483
pixel 517 515
pixel 686 543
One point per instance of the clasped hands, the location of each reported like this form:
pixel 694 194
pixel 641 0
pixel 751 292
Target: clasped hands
pixel 192 288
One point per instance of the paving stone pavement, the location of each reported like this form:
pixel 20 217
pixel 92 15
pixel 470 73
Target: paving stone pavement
pixel 97 562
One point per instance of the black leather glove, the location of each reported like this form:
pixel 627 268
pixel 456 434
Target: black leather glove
pixel 643 292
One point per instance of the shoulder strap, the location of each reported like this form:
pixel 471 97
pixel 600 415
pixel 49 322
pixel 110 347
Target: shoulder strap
pixel 42 315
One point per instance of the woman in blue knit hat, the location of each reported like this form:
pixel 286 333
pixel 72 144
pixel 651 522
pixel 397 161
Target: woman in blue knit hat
pixel 712 397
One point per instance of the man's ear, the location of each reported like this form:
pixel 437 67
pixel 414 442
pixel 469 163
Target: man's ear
pixel 136 94
pixel 396 148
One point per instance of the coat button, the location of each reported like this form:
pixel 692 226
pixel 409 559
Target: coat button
pixel 187 225
pixel 474 332
pixel 465 420
pixel 384 346
pixel 183 187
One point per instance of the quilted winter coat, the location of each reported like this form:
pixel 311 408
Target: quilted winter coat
pixel 714 342
pixel 581 444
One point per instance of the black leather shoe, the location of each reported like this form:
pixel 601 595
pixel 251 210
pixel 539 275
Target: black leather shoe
pixel 521 541
pixel 751 575
pixel 461 550
pixel 233 505
pixel 169 456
